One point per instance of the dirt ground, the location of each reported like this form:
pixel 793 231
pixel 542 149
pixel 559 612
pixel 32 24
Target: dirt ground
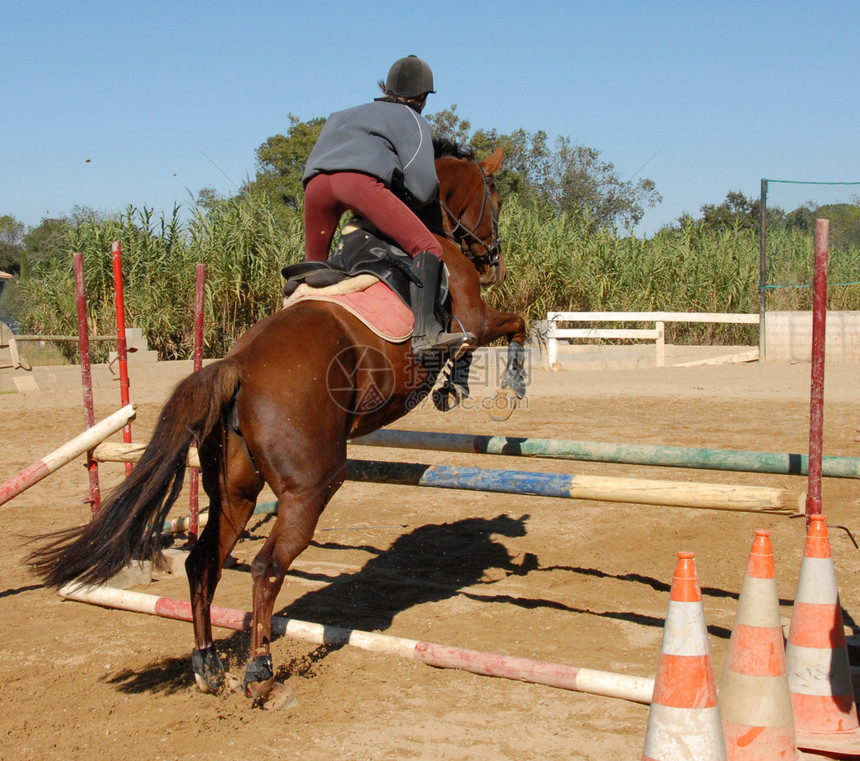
pixel 576 582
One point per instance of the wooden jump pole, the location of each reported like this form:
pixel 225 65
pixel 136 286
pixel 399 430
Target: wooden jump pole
pixel 567 486
pixel 594 451
pixel 121 342
pixel 86 374
pixel 66 453
pixel 530 483
pixel 194 475
pixel 816 402
pixel 605 683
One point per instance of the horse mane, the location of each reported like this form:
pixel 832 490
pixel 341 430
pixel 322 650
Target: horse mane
pixel 444 147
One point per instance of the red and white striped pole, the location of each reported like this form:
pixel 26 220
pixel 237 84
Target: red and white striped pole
pixel 606 683
pixel 65 454
pixel 816 402
pixel 121 343
pixel 193 476
pixel 86 373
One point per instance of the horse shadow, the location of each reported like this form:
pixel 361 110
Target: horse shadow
pixel 430 564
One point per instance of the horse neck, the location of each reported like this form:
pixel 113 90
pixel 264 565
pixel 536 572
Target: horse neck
pixel 462 190
pixel 460 186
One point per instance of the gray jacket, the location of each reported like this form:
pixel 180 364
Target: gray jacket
pixel 388 141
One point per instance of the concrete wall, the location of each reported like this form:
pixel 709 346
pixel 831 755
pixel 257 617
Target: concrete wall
pixel 788 337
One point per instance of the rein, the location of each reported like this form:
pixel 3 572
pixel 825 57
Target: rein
pixel 492 250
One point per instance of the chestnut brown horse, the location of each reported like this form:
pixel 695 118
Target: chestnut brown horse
pixel 278 410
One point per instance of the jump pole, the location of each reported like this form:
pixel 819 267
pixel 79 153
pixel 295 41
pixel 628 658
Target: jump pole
pixel 531 483
pixel 816 402
pixel 66 453
pixel 121 342
pixel 595 451
pixel 194 475
pixel 86 374
pixel 567 486
pixel 605 683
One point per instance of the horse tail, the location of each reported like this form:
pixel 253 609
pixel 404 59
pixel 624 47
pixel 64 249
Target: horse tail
pixel 129 523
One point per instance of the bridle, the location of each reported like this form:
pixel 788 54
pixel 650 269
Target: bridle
pixel 464 236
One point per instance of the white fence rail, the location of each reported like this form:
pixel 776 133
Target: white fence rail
pixel 657 334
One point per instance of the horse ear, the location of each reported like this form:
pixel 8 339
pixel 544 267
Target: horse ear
pixel 494 163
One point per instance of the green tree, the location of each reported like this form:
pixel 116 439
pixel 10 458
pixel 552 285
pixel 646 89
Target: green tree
pixel 11 244
pixel 735 212
pixel 578 178
pixel 564 175
pixel 447 124
pixel 527 164
pixel 802 218
pixel 50 239
pixel 844 223
pixel 208 199
pixel 527 156
pixel 281 161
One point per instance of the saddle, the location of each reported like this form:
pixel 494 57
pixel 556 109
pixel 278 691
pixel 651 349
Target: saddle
pixel 363 259
pixel 361 250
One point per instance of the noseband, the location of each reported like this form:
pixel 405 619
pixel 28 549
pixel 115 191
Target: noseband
pixel 464 235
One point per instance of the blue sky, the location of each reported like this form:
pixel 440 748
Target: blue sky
pixel 106 104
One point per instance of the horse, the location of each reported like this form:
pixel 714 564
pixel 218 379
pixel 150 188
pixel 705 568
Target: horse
pixel 278 409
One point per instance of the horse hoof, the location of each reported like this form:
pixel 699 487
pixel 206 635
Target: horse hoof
pixel 446 398
pixel 503 406
pixel 259 690
pixel 280 698
pixel 232 684
pixel 259 677
pixel 208 669
pixel 517 384
pixel 204 686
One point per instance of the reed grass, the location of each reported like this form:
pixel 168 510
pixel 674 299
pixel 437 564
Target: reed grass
pixel 556 262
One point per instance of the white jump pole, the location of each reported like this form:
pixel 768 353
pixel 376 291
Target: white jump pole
pixel 66 453
pixel 608 684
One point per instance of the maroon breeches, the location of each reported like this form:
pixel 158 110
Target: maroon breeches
pixel 329 196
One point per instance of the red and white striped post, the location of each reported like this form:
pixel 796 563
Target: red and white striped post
pixel 122 344
pixel 816 403
pixel 193 476
pixel 86 373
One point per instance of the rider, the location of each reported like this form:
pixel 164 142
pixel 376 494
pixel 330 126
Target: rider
pixel 377 160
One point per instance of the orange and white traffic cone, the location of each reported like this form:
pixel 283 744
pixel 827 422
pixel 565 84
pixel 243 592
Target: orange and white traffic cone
pixel 755 703
pixel 819 675
pixel 684 720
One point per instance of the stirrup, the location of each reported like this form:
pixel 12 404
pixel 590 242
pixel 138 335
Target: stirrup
pixel 442 342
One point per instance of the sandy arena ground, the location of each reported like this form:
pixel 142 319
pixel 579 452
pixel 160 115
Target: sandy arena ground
pixel 577 582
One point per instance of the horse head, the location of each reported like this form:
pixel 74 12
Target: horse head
pixel 470 207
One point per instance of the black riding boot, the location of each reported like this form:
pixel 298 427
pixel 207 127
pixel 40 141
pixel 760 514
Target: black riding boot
pixel 428 335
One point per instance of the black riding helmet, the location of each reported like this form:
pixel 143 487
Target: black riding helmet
pixel 409 77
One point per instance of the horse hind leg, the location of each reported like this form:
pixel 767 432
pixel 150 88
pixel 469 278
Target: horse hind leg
pixel 455 383
pixel 232 494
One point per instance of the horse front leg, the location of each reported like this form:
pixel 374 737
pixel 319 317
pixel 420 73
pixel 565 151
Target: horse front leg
pixel 513 384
